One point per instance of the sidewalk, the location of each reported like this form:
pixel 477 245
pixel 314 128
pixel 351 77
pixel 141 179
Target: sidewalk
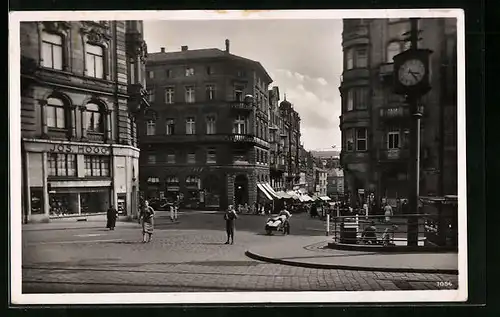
pixel 313 252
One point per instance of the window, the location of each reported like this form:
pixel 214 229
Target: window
pixel 94 58
pixel 361 139
pixel 151 127
pixel 361 96
pixel 239 126
pixel 168 73
pixel 52 51
pixel 132 71
pixel 192 181
pixel 151 95
pixel 350 59
pixel 210 125
pixel 240 156
pixel 190 98
pixel 350 100
pixel 210 71
pixel 393 139
pixel 169 95
pixel 172 180
pixel 349 138
pixel 190 125
pixel 241 73
pixel 170 157
pixel 170 127
pixel 191 157
pixel 393 49
pixel 62 164
pixel 153 180
pixel 211 155
pixel 97 165
pixel 238 93
pixel 151 159
pixel 257 153
pixel 361 58
pixel 189 71
pixel 95 122
pixel 55 113
pixel 210 92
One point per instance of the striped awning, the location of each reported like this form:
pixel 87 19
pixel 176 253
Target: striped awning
pixel 270 190
pixel 264 191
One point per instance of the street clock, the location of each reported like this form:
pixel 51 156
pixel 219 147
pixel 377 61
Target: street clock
pixel 411 72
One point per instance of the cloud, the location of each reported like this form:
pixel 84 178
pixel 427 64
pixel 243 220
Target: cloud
pixel 322 81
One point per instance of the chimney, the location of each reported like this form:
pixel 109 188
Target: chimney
pixel 227 46
pixel 162 50
pixel 184 48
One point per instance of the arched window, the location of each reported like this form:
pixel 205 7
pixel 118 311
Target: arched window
pixel 56 114
pixel 95 118
pixel 393 49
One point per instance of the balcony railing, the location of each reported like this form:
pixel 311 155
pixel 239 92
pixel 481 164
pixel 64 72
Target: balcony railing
pixel 240 105
pixel 392 155
pixel 242 138
pixel 394 112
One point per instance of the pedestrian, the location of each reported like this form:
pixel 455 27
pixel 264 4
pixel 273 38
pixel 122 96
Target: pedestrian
pixel 388 236
pixel 286 223
pixel 111 216
pixel 387 212
pixel 230 217
pixel 369 235
pixel 173 212
pixel 147 216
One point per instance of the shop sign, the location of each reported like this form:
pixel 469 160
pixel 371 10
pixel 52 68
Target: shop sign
pixel 79 149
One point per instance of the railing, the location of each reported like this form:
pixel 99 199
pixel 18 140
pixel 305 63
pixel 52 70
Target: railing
pixel 240 105
pixel 393 154
pixel 394 112
pixel 357 228
pixel 243 138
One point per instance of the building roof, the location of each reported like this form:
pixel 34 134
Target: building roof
pixel 206 53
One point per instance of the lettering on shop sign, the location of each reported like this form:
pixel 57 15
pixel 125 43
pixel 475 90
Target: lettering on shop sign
pixel 79 149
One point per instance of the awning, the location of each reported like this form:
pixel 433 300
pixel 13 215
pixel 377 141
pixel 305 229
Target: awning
pixel 264 191
pixel 305 197
pixel 325 198
pixel 283 195
pixel 270 190
pixel 293 194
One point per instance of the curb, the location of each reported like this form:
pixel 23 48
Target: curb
pixel 259 257
pixel 390 249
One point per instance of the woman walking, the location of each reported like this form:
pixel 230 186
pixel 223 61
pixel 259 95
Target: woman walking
pixel 111 216
pixel 147 216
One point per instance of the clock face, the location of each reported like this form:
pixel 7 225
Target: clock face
pixel 411 72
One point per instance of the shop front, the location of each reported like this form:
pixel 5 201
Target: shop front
pixel 85 201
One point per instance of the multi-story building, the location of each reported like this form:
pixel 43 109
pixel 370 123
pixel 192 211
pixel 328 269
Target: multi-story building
pixel 321 177
pixel 290 143
pixel 277 150
pixel 205 136
pixel 375 122
pixel 335 183
pixel 81 88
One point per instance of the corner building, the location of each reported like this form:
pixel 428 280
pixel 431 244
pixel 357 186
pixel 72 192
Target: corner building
pixel 200 139
pixel 375 122
pixel 81 89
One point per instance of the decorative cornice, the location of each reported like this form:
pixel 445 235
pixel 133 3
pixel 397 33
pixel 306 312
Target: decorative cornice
pixel 95 35
pixel 56 26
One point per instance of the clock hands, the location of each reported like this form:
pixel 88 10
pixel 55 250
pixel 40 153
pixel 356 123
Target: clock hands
pixel 414 74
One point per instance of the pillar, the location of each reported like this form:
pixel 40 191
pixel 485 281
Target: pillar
pixel 46 209
pixel 108 126
pixel 43 111
pixel 73 123
pixel 83 109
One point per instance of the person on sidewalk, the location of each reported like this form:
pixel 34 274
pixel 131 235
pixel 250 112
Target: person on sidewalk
pixel 111 216
pixel 230 217
pixel 147 216
pixel 387 212
pixel 173 211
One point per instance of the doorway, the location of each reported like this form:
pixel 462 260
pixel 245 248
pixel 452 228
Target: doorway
pixel 240 190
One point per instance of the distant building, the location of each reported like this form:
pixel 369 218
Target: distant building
pixel 202 138
pixel 81 90
pixel 335 180
pixel 321 177
pixel 375 122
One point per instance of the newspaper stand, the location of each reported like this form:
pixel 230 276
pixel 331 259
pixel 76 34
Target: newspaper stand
pixel 441 220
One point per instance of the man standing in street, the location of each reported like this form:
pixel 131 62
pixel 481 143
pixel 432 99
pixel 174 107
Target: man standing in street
pixel 111 216
pixel 230 217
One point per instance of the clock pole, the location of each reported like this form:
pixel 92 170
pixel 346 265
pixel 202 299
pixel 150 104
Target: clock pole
pixel 414 173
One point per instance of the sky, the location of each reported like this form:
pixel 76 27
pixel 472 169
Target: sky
pixel 303 57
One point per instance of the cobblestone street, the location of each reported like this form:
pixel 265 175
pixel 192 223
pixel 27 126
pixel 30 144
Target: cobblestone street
pixel 179 259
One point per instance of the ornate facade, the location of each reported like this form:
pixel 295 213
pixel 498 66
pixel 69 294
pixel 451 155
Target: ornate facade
pixel 78 106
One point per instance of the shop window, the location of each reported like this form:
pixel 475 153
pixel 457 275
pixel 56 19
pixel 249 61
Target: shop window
pixel 62 164
pixel 52 50
pixel 97 166
pixel 94 202
pixel 170 127
pixel 36 200
pixel 56 114
pixel 95 118
pixel 63 204
pixel 211 155
pixel 94 59
pixel 211 125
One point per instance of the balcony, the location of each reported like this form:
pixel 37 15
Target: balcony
pixel 241 106
pixel 355 35
pixel 394 113
pixel 242 138
pixel 393 155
